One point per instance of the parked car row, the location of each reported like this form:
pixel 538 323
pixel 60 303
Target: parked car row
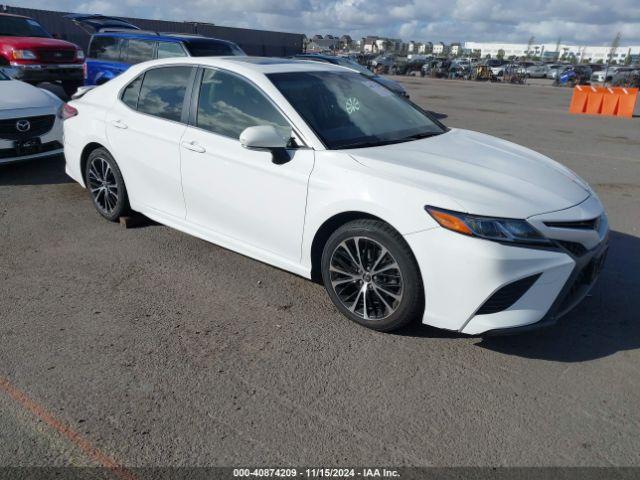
pixel 29 53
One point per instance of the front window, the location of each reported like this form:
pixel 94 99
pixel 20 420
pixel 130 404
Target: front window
pixel 214 49
pixel 348 110
pixel 21 27
pixel 227 105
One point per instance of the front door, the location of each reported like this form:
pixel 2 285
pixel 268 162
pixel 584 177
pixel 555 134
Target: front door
pixel 236 192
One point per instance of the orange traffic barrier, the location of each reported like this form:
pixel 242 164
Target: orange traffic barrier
pixel 611 101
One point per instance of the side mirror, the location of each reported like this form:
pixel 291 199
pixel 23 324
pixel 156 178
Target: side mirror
pixel 268 137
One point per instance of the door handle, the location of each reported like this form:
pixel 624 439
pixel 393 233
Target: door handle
pixel 119 124
pixel 194 147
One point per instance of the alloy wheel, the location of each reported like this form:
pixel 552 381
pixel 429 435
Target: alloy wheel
pixel 103 185
pixel 366 278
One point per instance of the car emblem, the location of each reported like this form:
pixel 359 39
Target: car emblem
pixel 23 125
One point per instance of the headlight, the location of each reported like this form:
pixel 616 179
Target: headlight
pixel 80 55
pixel 489 228
pixel 24 55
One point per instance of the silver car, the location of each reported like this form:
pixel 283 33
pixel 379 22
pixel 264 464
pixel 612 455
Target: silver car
pixel 537 71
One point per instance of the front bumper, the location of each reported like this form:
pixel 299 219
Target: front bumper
pixel 49 149
pixel 462 275
pixel 49 144
pixel 36 73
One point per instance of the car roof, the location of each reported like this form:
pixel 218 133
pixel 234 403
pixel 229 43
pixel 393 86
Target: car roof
pixel 14 15
pixel 165 37
pixel 251 66
pixel 315 55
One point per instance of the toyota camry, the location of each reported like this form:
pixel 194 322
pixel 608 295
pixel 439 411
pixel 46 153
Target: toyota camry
pixel 318 170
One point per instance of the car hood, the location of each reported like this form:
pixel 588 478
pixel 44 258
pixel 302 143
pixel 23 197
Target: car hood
pixel 17 95
pixel 36 42
pixel 481 174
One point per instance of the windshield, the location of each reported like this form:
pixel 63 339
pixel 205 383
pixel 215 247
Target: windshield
pixel 214 49
pixel 348 110
pixel 21 27
pixel 3 76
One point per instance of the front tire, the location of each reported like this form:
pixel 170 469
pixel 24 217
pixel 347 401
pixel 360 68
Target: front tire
pixel 106 185
pixel 372 276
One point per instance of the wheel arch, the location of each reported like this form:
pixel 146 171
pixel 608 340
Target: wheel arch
pixel 84 156
pixel 324 232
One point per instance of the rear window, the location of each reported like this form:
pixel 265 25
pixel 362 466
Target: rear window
pixel 214 49
pixel 21 27
pixel 106 48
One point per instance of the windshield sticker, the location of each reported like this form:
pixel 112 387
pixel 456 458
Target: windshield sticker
pixel 379 89
pixel 352 105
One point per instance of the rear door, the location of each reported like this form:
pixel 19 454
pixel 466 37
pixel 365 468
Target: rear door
pixel 144 129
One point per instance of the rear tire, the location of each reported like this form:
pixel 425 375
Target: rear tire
pixel 372 276
pixel 106 185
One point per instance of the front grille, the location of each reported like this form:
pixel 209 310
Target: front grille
pixel 44 148
pixel 37 126
pixel 592 224
pixel 55 56
pixel 507 295
pixel 574 248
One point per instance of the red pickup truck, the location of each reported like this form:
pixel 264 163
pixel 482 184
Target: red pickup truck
pixel 32 55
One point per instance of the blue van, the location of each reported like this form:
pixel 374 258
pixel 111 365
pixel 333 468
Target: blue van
pixel 118 44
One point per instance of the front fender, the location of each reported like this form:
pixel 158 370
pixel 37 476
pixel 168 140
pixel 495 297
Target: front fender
pixel 339 184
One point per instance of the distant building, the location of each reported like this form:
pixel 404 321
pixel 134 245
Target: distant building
pixel 455 49
pixel 369 44
pixel 318 43
pixel 440 49
pixel 346 41
pixel 549 52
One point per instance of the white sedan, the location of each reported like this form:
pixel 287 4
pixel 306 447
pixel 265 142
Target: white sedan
pixel 30 125
pixel 320 171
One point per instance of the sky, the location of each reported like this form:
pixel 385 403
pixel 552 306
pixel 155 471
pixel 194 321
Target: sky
pixel 583 22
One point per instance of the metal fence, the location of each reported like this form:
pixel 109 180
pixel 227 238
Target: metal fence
pixel 254 42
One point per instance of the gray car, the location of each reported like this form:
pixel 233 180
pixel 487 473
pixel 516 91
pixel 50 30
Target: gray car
pixel 537 71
